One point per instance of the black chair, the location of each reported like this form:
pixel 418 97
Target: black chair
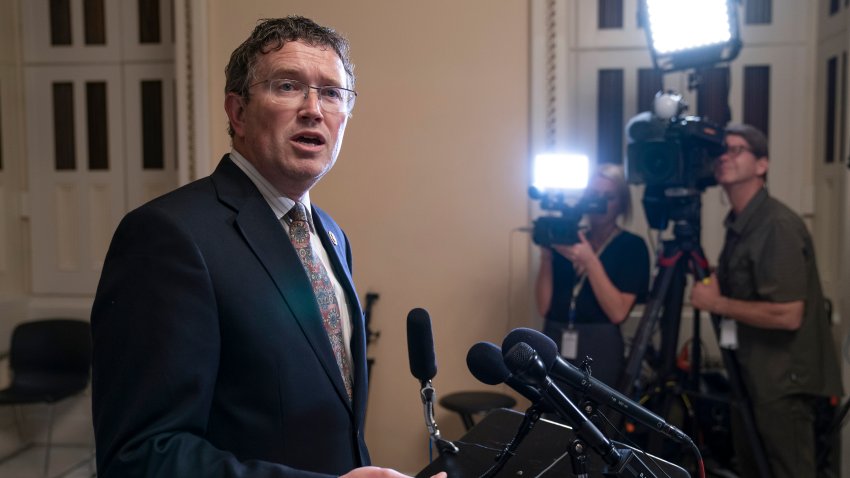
pixel 50 360
pixel 468 404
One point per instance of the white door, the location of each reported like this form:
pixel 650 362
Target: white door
pixel 99 81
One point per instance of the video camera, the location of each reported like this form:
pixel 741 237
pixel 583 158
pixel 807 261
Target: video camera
pixel 557 176
pixel 563 228
pixel 673 155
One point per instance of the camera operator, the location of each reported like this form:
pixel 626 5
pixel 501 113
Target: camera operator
pixel 768 292
pixel 585 290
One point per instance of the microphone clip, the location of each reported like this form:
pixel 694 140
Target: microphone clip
pixel 528 421
pixel 587 376
pixel 427 394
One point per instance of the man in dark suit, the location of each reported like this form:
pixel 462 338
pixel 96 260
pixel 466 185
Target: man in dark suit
pixel 213 356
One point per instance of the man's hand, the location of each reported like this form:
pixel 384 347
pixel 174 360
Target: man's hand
pixel 377 472
pixel 705 295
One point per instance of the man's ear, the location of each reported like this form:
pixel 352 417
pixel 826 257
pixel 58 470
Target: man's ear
pixel 234 106
pixel 762 164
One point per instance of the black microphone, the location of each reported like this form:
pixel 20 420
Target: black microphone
pixel 487 365
pixel 596 390
pixel 423 366
pixel 420 345
pixel 485 361
pixel 525 364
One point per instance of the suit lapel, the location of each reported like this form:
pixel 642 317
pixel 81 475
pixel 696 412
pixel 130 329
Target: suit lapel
pixel 267 238
pixel 335 242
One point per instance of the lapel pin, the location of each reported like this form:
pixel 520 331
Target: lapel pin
pixel 333 238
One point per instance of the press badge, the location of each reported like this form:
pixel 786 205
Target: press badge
pixel 728 334
pixel 569 343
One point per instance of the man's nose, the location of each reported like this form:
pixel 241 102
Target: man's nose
pixel 312 104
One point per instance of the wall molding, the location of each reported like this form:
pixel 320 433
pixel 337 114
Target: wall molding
pixel 192 63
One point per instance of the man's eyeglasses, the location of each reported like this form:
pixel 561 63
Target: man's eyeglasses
pixel 290 93
pixel 734 151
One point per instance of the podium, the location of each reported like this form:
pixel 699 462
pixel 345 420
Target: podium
pixel 543 452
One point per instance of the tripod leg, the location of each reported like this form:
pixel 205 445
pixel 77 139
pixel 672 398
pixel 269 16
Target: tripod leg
pixel 670 295
pixel 671 320
pixel 651 315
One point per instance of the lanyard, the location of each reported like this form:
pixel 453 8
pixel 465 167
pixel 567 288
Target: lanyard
pixel 583 278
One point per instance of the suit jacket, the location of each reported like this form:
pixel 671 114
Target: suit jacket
pixel 210 357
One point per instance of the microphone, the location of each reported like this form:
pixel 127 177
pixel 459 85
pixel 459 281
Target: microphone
pixel 420 345
pixel 423 366
pixel 485 362
pixel 525 364
pixel 582 382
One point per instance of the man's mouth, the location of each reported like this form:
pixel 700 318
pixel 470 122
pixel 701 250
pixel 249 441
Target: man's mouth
pixel 309 139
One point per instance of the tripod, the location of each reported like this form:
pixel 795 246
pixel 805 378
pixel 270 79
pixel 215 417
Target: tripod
pixel 677 257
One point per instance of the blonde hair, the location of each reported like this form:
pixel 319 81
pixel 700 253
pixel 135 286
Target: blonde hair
pixel 615 174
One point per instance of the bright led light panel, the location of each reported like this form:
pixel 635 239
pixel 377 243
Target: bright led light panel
pixel 560 172
pixel 677 25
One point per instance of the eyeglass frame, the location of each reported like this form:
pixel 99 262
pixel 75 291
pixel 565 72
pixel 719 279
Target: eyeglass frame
pixel 349 103
pixel 736 151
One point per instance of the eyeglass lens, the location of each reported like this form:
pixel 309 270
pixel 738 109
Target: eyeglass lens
pixel 292 92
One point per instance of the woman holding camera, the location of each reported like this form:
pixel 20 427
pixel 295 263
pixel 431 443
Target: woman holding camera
pixel 585 290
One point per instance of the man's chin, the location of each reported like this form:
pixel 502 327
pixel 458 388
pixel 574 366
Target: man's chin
pixel 312 169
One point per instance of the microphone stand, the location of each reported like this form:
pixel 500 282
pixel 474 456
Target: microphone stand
pixel 427 393
pixel 528 421
pixel 621 462
pixel 525 364
pixel 578 458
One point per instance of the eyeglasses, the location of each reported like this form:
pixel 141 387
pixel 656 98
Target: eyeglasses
pixel 290 93
pixel 734 151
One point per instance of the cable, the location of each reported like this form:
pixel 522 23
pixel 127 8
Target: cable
pixel 700 462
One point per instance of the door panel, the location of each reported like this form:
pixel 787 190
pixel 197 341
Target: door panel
pixel 100 115
pixel 74 209
pixel 149 118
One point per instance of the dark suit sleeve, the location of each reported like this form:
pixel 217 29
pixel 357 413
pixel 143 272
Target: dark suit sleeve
pixel 157 348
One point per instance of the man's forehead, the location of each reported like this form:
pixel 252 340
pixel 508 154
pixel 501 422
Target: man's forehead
pixel 736 139
pixel 297 56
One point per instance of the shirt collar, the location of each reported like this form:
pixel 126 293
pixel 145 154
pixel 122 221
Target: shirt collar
pixel 279 203
pixel 737 223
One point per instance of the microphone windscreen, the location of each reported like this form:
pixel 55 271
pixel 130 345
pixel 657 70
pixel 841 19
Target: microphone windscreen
pixel 546 349
pixel 486 364
pixel 420 345
pixel 519 356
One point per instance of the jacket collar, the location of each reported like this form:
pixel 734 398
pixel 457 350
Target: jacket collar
pixel 266 237
pixel 737 222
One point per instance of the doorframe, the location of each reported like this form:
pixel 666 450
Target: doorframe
pixel 191 66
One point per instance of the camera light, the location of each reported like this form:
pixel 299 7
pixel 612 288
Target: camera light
pixel 678 44
pixel 561 172
pixel 670 33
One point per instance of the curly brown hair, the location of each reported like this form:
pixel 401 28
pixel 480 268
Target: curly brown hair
pixel 270 35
